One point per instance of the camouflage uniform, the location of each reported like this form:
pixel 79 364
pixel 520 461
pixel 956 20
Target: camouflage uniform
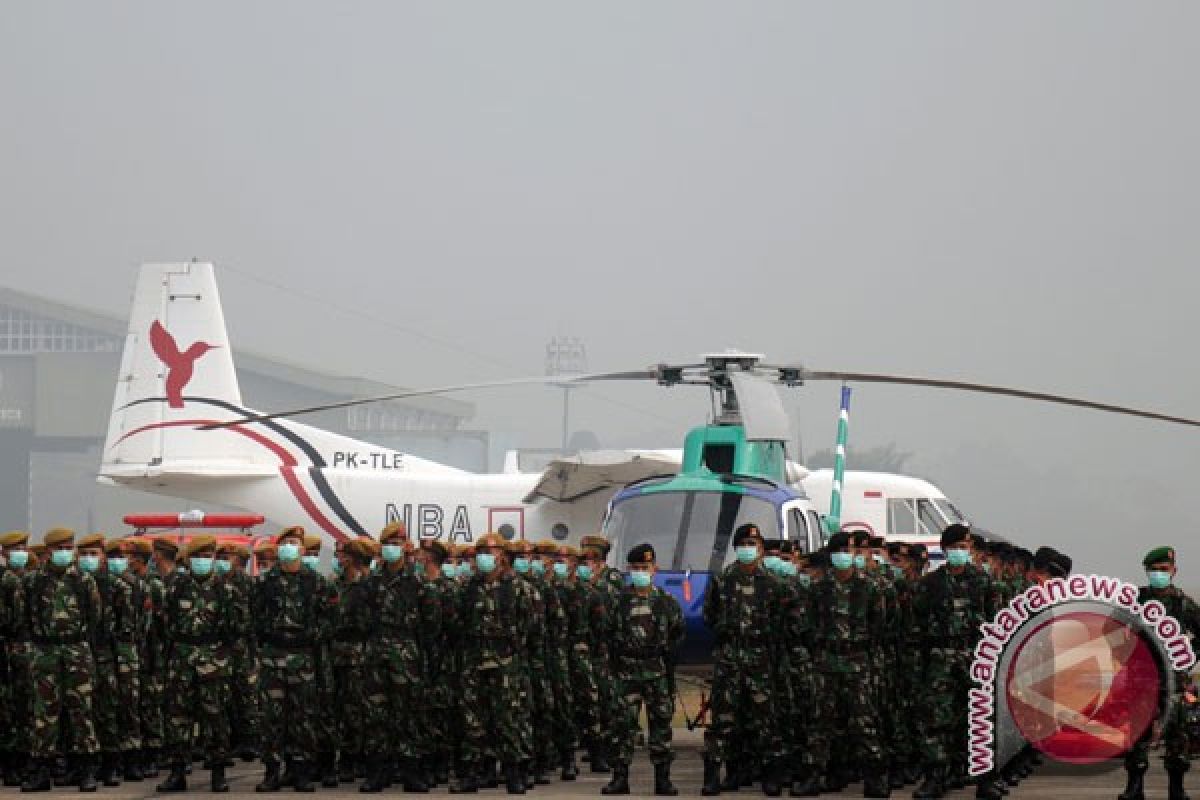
pixel 64 610
pixel 531 653
pixel 245 700
pixel 351 626
pixel 16 640
pixel 202 622
pixel 801 678
pixel 548 665
pixel 290 617
pixel 608 585
pixel 647 629
pixel 116 705
pixel 153 661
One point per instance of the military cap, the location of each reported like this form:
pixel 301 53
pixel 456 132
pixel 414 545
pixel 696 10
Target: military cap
pixel 876 541
pixel 312 540
pixel 139 547
pixel 1159 555
pixel 641 554
pixel 264 545
pixel 568 550
pixel 167 546
pixel 595 542
pixel 57 536
pixel 241 551
pixel 786 547
pixel 860 538
pixel 491 540
pixel 746 533
pixel 14 539
pixel 440 554
pixel 819 559
pixel 1050 560
pixel 114 547
pixel 772 545
pixel 837 541
pixel 546 547
pixel 393 530
pixel 38 550
pixel 89 540
pixel 954 534
pixel 360 550
pixel 373 547
pixel 225 546
pixel 204 541
pixel 895 549
pixel 801 559
pixel 295 532
pixel 918 552
pixel 1022 555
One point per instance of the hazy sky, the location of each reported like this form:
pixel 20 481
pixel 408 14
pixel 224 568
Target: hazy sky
pixel 1004 192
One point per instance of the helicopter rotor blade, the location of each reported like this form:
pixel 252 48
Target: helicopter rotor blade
pixel 763 415
pixel 464 387
pixel 1007 391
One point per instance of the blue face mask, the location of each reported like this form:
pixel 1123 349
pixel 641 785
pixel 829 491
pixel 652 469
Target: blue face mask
pixel 583 572
pixel 310 561
pixel 392 553
pixel 804 578
pixel 418 567
pixel 538 568
pixel 117 565
pixel 521 565
pixel 860 562
pixel 288 552
pixel 897 572
pixel 62 558
pixel 486 562
pixel 89 564
pixel 560 569
pixel 641 578
pixel 1159 579
pixel 465 570
pixel 788 569
pixel 747 553
pixel 223 566
pixel 201 565
pixel 987 567
pixel 770 562
pixel 841 560
pixel 18 559
pixel 449 571
pixel 958 557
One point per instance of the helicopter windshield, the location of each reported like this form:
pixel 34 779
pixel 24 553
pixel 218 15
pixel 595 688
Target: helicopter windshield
pixel 689 530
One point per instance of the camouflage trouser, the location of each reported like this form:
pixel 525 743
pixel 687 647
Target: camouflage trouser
pixel 653 689
pixel 907 726
pixel 350 701
pixel 153 687
pixel 562 725
pixel 394 698
pixel 21 666
pixel 245 699
pixel 1176 750
pixel 197 696
pixel 64 679
pixel 742 703
pixel 608 694
pixel 8 720
pixel 325 717
pixel 585 693
pixel 796 727
pixel 491 701
pixel 289 695
pixel 543 715
pixel 945 718
pixel 846 717
pixel 118 722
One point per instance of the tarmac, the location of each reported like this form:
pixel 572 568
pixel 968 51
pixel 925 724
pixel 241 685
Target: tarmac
pixel 1051 782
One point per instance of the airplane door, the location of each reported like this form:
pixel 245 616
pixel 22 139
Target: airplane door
pixel 508 521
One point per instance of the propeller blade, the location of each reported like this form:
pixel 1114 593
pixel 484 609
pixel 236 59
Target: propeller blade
pixel 463 387
pixel 763 415
pixel 1007 391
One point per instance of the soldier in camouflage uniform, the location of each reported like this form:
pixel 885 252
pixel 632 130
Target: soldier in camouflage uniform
pixel 741 607
pixel 647 629
pixel 953 602
pixel 323 715
pixel 595 574
pixel 351 627
pixel 161 571
pixel 496 616
pixel 265 557
pixel 17 650
pixel 847 609
pixel 245 707
pixel 64 611
pixel 532 654
pixel 901 724
pixel 435 744
pixel 202 621
pixel 115 651
pixel 291 614
pixel 407 619
pixel 554 728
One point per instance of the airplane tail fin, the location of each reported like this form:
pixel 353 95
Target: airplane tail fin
pixel 176 374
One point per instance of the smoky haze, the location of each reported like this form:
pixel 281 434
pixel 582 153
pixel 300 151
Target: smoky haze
pixel 427 192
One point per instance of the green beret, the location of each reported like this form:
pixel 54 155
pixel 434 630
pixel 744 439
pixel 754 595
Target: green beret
pixel 1158 555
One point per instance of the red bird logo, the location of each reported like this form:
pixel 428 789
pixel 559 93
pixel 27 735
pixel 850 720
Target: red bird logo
pixel 179 365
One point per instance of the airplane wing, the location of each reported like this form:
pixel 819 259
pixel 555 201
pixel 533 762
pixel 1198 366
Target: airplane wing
pixel 566 480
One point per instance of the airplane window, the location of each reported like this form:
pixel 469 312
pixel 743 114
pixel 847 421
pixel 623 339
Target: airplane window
pixel 818 527
pixel 948 510
pixel 798 529
pixel 560 531
pixel 901 520
pixel 932 523
pixel 507 531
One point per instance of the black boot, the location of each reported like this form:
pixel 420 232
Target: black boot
pixel 176 780
pixel 14 769
pixel 131 761
pixel 216 777
pixel 38 777
pixel 662 780
pixel 569 771
pixel 931 787
pixel 87 776
pixel 599 758
pixel 620 780
pixel 302 776
pixel 1134 784
pixel 413 779
pixel 809 787
pixel 1175 784
pixel 375 780
pixel 986 789
pixel 346 770
pixel 513 782
pixel 733 778
pixel 110 774
pixel 712 778
pixel 956 777
pixel 149 763
pixel 466 780
pixel 772 781
pixel 272 779
pixel 875 784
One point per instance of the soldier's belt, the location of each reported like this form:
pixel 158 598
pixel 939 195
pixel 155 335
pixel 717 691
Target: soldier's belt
pixel 76 639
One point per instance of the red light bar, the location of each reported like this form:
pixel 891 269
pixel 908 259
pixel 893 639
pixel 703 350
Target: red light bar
pixel 190 519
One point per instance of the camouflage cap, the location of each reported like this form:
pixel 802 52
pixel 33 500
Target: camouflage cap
pixel 294 532
pixel 58 536
pixel 393 530
pixel 14 539
pixel 1159 555
pixel 198 544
